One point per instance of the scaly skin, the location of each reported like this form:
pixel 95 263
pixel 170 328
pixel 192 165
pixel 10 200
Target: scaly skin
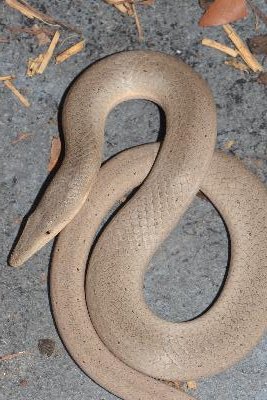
pixel 106 326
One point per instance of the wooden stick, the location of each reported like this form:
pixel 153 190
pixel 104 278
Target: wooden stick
pixel 24 101
pixel 219 46
pixel 258 12
pixel 34 65
pixel 8 357
pixel 49 53
pixel 26 9
pixel 7 77
pixel 237 65
pixel 138 23
pixel 71 51
pixel 244 52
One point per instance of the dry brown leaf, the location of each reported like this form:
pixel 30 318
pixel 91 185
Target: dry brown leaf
pixel 219 46
pixel 237 65
pixel 222 12
pixel 244 51
pixel 262 78
pixel 71 51
pixel 258 44
pixel 24 101
pixel 20 137
pixel 54 153
pixel 26 9
pixel 191 385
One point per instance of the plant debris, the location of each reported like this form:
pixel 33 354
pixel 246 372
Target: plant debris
pixel 219 46
pixel 54 153
pixel 223 12
pixel 129 8
pixel 258 12
pixel 4 40
pixel 38 64
pixel 258 44
pixel 229 144
pixel 20 137
pixel 8 83
pixel 191 385
pixel 244 51
pixel 26 9
pixel 8 357
pixel 262 78
pixel 7 77
pixel 49 53
pixel 46 347
pixel 71 51
pixel 237 65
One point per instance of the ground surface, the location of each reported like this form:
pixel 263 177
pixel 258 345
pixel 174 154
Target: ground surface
pixel 186 273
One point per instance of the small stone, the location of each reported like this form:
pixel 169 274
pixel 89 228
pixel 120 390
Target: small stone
pixel 46 347
pixel 23 383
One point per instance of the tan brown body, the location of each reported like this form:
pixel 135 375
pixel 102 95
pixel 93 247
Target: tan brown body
pixel 110 331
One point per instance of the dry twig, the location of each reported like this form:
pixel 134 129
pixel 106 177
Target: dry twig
pixel 26 9
pixel 219 46
pixel 71 51
pixel 20 137
pixel 24 101
pixel 244 52
pixel 7 77
pixel 7 357
pixel 258 12
pixel 237 65
pixel 49 53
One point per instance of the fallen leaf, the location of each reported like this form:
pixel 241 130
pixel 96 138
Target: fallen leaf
pixel 262 78
pixel 258 44
pixel 54 153
pixel 191 385
pixel 222 12
pixel 21 136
